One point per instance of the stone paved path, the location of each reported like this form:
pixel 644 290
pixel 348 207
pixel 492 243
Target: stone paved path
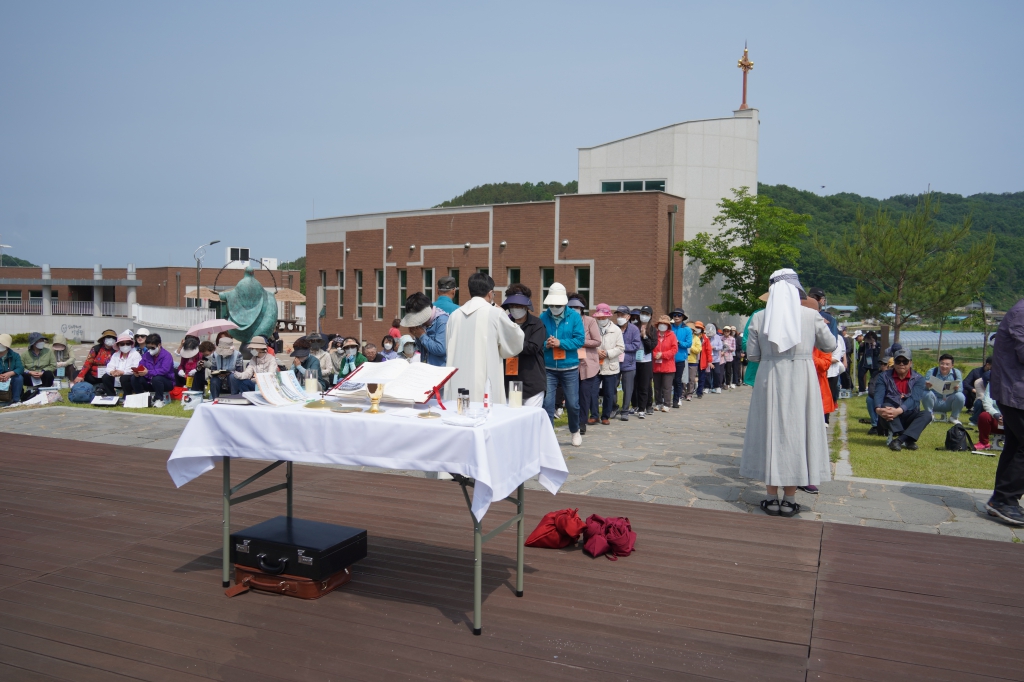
pixel 688 457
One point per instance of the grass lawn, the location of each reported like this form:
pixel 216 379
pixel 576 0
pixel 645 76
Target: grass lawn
pixel 869 457
pixel 171 409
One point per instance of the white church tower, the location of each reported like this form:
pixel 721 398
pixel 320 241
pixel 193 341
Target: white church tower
pixel 700 161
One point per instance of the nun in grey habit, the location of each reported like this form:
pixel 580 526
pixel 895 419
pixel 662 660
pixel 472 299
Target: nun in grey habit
pixel 786 443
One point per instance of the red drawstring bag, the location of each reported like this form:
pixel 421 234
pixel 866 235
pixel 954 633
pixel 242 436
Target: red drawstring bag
pixel 613 537
pixel 175 393
pixel 557 529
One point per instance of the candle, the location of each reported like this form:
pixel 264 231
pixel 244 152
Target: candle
pixel 515 394
pixel 312 385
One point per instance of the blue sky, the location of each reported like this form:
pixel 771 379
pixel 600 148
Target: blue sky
pixel 135 131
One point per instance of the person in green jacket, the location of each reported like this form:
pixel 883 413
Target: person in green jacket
pixel 39 362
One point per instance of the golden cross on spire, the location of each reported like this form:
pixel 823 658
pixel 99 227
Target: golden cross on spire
pixel 745 65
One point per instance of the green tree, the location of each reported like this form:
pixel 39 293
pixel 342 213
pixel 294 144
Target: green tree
pixel 756 238
pixel 300 265
pixel 511 192
pixel 909 267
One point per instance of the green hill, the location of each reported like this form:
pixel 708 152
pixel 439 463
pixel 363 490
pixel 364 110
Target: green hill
pixel 1000 214
pixel 511 193
pixel 12 262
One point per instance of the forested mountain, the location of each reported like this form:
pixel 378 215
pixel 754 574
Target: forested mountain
pixel 510 193
pixel 1000 214
pixel 12 262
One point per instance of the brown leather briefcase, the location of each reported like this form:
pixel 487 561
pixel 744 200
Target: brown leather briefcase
pixel 294 586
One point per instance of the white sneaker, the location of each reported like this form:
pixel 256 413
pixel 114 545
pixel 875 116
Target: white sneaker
pixel 158 404
pixel 577 439
pixel 558 413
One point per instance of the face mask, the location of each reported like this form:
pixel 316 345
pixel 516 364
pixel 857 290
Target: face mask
pixel 350 352
pixel 517 313
pixel 663 327
pixel 154 352
pixel 387 346
pixel 556 310
pixel 126 349
pixel 206 358
pixel 41 345
pixel 645 318
pixel 108 342
pixel 3 349
pixel 621 320
pixel 603 323
pixel 409 349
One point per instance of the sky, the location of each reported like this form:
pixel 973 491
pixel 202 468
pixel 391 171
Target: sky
pixel 134 132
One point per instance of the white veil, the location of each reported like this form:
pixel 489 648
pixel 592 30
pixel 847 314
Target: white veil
pixel 782 314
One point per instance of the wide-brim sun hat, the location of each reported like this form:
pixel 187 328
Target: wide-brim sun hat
pixel 517 300
pixel 678 312
pixel 602 310
pixel 698 324
pixel 127 338
pixel 575 303
pixel 141 331
pixel 417 319
pixel 225 346
pixel 108 332
pixel 556 295
pixel 664 319
pixel 5 340
pixel 188 352
pixel 34 337
pixel 404 339
pixel 258 342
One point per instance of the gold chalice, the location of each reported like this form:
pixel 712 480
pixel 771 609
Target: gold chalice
pixel 376 391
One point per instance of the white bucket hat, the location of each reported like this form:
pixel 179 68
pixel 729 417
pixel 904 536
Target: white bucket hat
pixel 556 295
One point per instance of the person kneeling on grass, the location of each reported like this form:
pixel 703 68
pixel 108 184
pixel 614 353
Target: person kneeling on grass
pixel 155 371
pixel 898 395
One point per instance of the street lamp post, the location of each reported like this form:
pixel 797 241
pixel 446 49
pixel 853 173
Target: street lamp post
pixel 199 254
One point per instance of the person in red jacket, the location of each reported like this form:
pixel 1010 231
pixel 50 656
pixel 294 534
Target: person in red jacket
pixel 706 366
pixel 664 363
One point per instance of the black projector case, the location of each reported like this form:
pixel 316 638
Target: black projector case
pixel 309 549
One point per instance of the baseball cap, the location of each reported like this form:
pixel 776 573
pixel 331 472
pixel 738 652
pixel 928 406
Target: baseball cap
pixel 816 292
pixel 446 284
pixel 901 353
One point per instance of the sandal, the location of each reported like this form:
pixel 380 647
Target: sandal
pixel 770 507
pixel 788 509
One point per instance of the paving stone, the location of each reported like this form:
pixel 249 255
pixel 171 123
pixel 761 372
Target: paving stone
pixel 716 492
pixel 990 531
pixel 931 515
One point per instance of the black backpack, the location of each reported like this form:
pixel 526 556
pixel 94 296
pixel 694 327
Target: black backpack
pixel 958 440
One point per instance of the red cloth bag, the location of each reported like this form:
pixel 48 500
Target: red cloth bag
pixel 175 393
pixel 612 537
pixel 557 529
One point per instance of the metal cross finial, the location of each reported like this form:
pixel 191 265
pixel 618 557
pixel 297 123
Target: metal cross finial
pixel 745 65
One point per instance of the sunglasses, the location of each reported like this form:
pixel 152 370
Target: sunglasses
pixel 901 361
pixel 349 347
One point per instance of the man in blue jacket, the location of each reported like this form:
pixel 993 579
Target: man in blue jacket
pixel 565 332
pixel 898 394
pixel 427 324
pixel 684 339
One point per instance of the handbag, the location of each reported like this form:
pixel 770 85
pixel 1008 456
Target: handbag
pixel 291 585
pixel 612 537
pixel 6 394
pixel 557 529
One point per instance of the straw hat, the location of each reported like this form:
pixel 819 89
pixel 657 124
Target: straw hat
pixel 108 332
pixel 665 319
pixel 258 342
pixel 556 295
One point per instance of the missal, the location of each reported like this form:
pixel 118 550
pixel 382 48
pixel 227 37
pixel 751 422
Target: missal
pixel 404 382
pixel 270 390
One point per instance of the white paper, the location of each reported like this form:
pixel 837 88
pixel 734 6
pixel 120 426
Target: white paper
pixel 136 400
pixel 36 381
pixel 268 387
pixel 291 388
pixel 403 382
pixel 101 372
pixel 105 400
pixel 944 387
pixel 255 398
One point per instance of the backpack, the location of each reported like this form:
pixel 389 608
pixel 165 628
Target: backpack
pixel 958 440
pixel 613 537
pixel 82 392
pixel 557 529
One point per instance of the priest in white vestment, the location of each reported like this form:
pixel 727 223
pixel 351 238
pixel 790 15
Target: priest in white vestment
pixel 480 337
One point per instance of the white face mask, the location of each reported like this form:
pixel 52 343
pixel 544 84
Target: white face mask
pixel 603 322
pixel 387 346
pixel 126 349
pixel 409 349
pixel 3 349
pixel 556 310
pixel 108 342
pixel 621 320
pixel 41 345
pixel 645 318
pixel 517 313
pixel 154 352
pixel 663 327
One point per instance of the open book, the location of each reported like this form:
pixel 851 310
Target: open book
pixel 403 382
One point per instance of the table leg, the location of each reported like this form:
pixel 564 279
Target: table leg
pixel 226 522
pixel 478 574
pixel 288 475
pixel 519 539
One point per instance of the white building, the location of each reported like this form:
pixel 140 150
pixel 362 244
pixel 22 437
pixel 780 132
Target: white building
pixel 701 161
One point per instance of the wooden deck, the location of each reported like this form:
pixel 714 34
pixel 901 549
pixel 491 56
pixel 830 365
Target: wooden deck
pixel 107 572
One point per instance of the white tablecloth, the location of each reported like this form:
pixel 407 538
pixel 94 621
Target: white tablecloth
pixel 513 446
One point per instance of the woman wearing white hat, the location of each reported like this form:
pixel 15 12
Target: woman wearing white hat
pixel 564 327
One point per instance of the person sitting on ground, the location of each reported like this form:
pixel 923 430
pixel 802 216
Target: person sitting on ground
pixel 971 396
pixel 395 332
pixel 528 365
pixel 188 364
pixel 64 358
pixel 427 324
pixel 38 361
pixel 121 367
pixel 322 355
pixel 371 353
pixel 350 357
pixel 898 395
pixel 305 365
pixel 447 289
pixel 387 348
pixel 140 340
pixel 885 362
pixel 10 371
pixel 98 358
pixel 933 400
pixel 261 362
pixel 222 362
pixel 155 371
pixel 989 419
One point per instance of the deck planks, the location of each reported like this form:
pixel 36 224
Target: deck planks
pixel 109 572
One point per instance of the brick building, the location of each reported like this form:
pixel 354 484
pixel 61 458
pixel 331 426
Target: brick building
pixel 614 247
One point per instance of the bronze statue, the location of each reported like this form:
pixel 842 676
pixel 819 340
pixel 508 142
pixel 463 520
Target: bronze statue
pixel 251 307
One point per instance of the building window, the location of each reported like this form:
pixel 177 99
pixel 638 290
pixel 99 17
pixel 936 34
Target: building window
pixel 10 296
pixel 321 311
pixel 484 271
pixel 428 283
pixel 654 185
pixel 454 272
pixel 341 294
pixel 633 186
pixel 547 278
pixel 583 285
pixel 513 276
pixel 379 313
pixel 239 254
pixel 611 186
pixel 359 294
pixel 403 290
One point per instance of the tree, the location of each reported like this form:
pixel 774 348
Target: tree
pixel 756 239
pixel 300 265
pixel 909 267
